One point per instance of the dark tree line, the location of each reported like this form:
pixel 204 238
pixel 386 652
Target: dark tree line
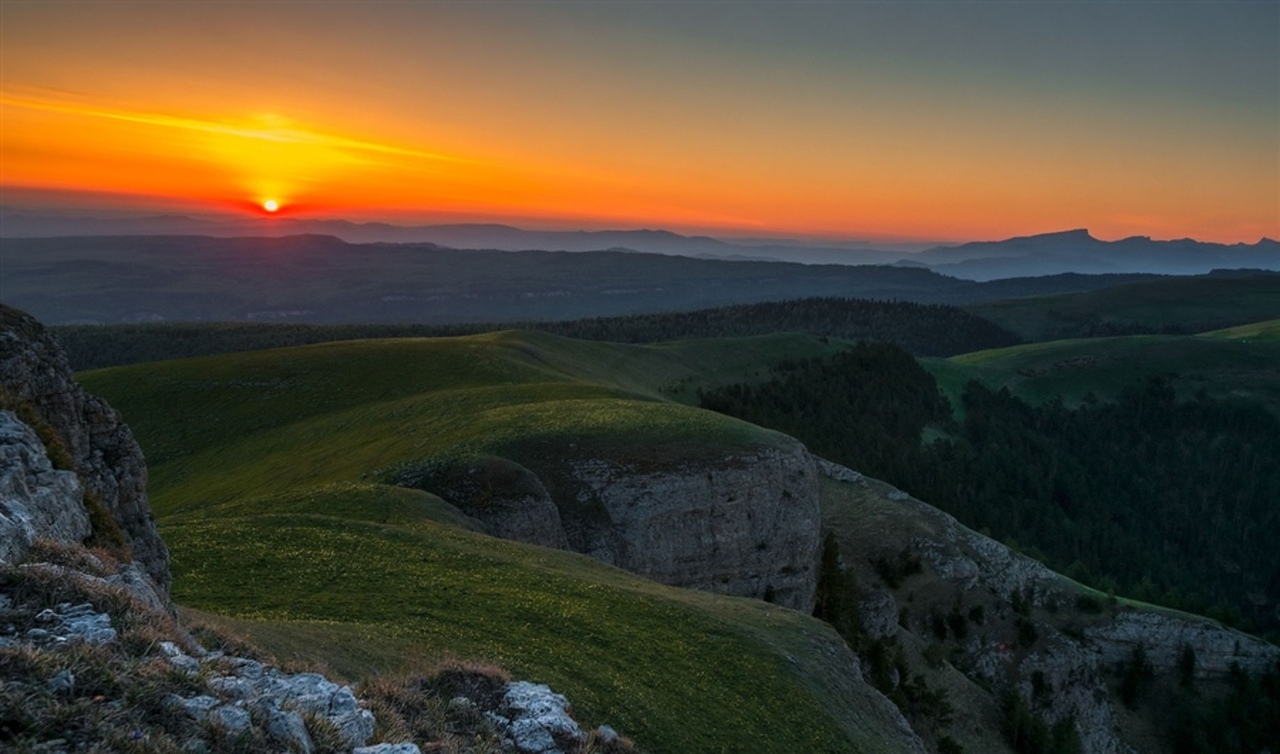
pixel 1166 500
pixel 923 329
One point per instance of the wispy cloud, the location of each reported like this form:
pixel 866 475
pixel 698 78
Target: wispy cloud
pixel 271 128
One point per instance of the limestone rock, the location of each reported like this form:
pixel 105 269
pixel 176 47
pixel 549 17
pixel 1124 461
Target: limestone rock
pixel 879 612
pixel 1164 635
pixel 34 369
pixel 35 499
pixel 405 748
pixel 746 523
pixel 539 719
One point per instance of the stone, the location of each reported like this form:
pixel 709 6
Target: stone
pixel 36 500
pixel 531 738
pixel 879 613
pixel 606 735
pixel 402 748
pixel 231 687
pixel 198 706
pixel 245 667
pixel 539 717
pixel 285 726
pixel 34 370
pixel 94 628
pixel 356 727
pixel 234 720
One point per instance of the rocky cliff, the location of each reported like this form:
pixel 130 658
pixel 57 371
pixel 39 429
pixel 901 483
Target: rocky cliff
pixel 746 523
pixel 979 620
pixel 742 522
pixel 37 501
pixel 101 450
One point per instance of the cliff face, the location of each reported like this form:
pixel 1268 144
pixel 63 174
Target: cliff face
pixel 36 500
pixel 1006 623
pixel 102 450
pixel 746 524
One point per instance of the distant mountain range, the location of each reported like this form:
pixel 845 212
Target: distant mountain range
pixel 1077 251
pixel 1047 254
pixel 323 279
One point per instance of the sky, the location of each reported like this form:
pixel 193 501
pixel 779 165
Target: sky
pixel 940 120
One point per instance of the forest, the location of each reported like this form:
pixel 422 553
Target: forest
pixel 922 329
pixel 1150 497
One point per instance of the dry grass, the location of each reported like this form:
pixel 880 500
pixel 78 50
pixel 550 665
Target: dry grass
pixel 442 708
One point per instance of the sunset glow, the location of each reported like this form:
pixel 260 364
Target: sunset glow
pixel 437 113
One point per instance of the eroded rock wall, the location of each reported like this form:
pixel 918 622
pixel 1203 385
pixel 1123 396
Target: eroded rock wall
pixel 34 370
pixel 745 524
pixel 36 500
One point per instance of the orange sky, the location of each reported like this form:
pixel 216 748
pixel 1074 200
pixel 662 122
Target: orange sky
pixel 570 116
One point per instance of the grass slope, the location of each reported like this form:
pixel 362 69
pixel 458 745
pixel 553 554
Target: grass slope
pixel 264 468
pixel 1179 304
pixel 1229 367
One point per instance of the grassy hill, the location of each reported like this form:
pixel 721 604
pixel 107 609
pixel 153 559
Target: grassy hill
pixel 1171 305
pixel 922 329
pixel 265 477
pixel 1241 364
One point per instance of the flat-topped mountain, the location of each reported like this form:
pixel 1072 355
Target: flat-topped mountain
pixel 1078 251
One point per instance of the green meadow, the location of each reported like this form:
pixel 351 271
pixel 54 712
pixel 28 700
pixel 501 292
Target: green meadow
pixel 1241 364
pixel 266 477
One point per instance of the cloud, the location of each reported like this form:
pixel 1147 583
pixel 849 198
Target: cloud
pixel 269 128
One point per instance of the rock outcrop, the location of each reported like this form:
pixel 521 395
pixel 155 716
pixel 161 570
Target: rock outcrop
pixel 745 524
pixel 36 500
pixel 1009 623
pixel 34 371
pixel 124 668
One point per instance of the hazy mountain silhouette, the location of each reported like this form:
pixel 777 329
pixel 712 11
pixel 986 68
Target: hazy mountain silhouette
pixel 1077 251
pixel 324 279
pixel 1028 256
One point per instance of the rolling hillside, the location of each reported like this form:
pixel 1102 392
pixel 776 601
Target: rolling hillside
pixel 1181 305
pixel 303 548
pixel 1241 364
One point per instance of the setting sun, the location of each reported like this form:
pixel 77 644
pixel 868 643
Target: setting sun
pixel 271 205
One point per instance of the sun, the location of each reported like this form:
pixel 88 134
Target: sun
pixel 271 205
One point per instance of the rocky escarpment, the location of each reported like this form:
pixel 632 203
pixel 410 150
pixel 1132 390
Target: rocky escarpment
pixel 742 522
pixel 102 451
pixel 36 500
pixel 1007 624
pixel 745 524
